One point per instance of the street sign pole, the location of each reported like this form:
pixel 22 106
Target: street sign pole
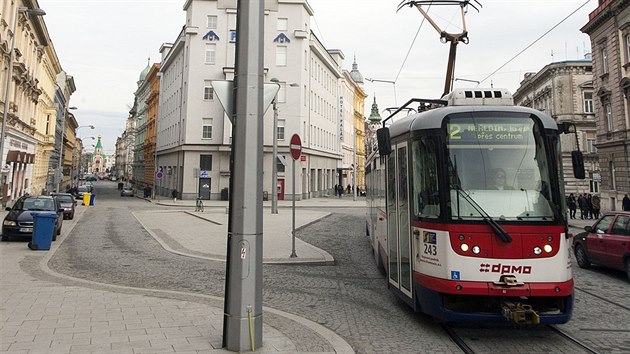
pixel 295 146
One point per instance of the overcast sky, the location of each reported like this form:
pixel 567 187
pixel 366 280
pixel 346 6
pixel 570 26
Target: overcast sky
pixel 105 44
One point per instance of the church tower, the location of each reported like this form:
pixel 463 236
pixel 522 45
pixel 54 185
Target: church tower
pixel 99 160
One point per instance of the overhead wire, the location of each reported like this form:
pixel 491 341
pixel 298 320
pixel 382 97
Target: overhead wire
pixel 534 42
pixel 411 47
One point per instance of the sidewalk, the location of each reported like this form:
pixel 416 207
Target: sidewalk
pixel 42 311
pixel 204 234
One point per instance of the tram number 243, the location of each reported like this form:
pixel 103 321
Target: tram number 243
pixel 430 249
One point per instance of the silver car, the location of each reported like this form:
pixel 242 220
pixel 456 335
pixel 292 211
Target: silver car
pixel 127 192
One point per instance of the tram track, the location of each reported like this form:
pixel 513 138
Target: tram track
pixel 602 298
pixel 492 339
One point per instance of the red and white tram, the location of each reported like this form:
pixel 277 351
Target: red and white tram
pixel 466 210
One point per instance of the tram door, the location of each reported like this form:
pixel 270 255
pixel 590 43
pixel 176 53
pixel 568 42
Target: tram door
pixel 398 228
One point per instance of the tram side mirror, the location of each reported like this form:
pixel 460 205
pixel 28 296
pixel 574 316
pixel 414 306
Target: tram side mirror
pixel 384 142
pixel 577 161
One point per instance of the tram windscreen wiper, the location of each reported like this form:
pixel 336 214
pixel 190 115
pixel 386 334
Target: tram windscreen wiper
pixel 503 235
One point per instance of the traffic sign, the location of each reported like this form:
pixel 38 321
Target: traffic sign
pixel 159 174
pixel 295 146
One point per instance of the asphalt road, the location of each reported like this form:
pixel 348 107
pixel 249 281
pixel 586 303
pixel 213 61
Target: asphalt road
pixel 350 298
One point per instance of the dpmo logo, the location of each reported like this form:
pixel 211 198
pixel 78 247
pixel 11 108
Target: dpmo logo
pixel 504 268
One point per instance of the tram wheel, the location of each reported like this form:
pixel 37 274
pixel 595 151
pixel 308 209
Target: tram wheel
pixel 581 257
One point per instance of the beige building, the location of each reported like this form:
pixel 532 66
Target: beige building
pixel 609 28
pixel 564 90
pixel 32 105
pixel 355 78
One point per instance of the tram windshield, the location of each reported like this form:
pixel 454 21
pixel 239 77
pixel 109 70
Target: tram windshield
pixel 501 165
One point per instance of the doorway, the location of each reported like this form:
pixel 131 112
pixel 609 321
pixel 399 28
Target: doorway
pixel 204 188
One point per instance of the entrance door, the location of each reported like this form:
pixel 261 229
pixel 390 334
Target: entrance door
pixel 281 189
pixel 398 228
pixel 204 188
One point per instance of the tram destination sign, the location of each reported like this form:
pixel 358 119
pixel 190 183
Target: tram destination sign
pixel 493 133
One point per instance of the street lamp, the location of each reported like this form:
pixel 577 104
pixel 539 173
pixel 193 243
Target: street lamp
pixel 274 166
pixel 34 12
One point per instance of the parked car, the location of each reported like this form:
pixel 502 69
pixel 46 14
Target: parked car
pixel 606 243
pixel 127 192
pixel 82 189
pixel 91 178
pixel 67 202
pixel 19 221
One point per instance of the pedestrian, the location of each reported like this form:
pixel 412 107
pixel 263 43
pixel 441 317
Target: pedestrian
pixel 174 195
pixel 625 204
pixel 589 206
pixel 582 205
pixel 348 189
pixel 572 206
pixel 596 206
pixel 336 190
pixel 340 190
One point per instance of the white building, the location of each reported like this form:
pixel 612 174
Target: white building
pixel 194 134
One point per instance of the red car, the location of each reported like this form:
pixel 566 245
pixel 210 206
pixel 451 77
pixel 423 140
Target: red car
pixel 606 243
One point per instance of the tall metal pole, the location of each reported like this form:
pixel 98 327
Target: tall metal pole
pixel 293 254
pixel 354 164
pixel 274 164
pixel 242 321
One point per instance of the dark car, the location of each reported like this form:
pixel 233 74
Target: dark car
pixel 606 243
pixel 67 202
pixel 82 190
pixel 19 221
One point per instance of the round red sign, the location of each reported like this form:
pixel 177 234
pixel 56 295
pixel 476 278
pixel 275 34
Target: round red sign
pixel 296 146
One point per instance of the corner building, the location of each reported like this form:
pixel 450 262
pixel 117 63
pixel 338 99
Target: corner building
pixel 193 132
pixel 609 29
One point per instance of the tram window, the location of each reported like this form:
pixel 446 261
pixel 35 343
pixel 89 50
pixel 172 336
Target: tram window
pixel 426 199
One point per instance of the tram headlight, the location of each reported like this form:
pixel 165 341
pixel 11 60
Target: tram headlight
pixel 537 250
pixel 548 248
pixel 464 247
pixel 476 249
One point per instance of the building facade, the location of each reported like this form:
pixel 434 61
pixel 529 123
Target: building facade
pixel 564 90
pixel 150 140
pixel 193 132
pixel 141 96
pixel 33 100
pixel 609 29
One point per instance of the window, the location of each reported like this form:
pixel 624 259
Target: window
pixel 205 162
pixel 426 203
pixel 206 129
pixel 208 91
pixel 590 145
pixel 627 48
pixel 588 102
pixel 621 226
pixel 211 53
pixel 603 226
pixel 48 124
pixel 604 61
pixel 609 119
pixel 212 22
pixel 280 132
pixel 279 166
pixel 281 56
pixel 282 24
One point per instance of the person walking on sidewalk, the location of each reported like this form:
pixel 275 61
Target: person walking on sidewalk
pixel 625 204
pixel 174 195
pixel 596 206
pixel 582 204
pixel 340 190
pixel 572 206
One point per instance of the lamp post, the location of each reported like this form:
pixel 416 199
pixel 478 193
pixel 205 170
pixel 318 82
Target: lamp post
pixel 274 162
pixel 63 128
pixel 7 94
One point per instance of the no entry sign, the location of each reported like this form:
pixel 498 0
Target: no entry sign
pixel 295 146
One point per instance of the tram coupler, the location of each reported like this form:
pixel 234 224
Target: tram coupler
pixel 519 313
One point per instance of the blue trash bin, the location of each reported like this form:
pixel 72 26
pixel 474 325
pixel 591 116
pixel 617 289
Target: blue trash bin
pixel 92 197
pixel 43 230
